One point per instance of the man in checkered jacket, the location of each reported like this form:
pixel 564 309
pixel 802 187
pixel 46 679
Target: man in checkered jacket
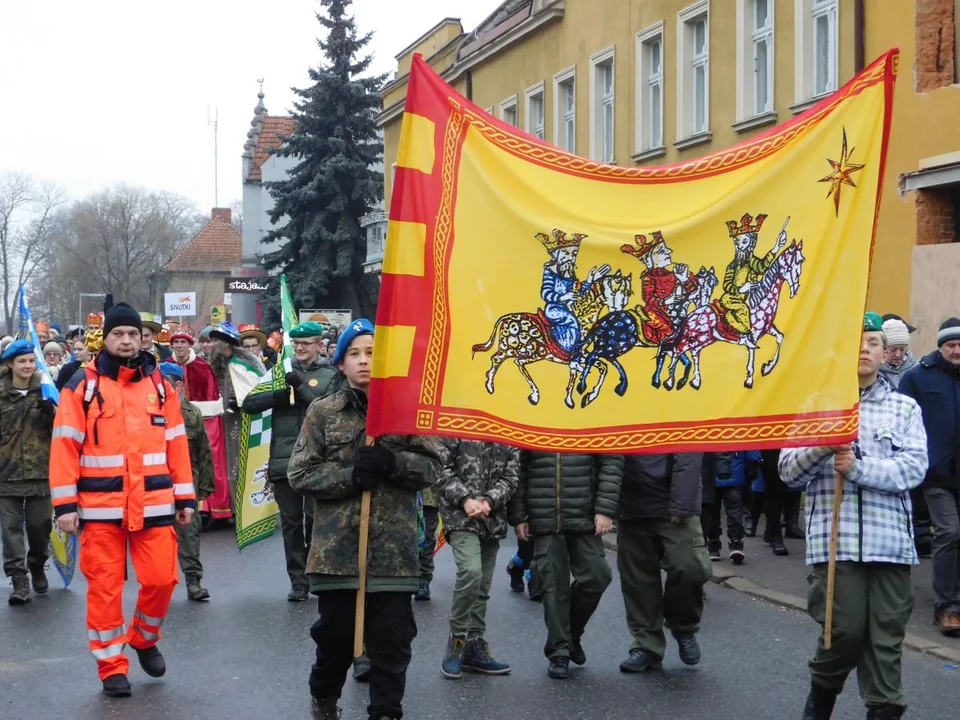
pixel 873 596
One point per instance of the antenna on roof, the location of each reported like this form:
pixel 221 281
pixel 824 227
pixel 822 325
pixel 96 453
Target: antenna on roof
pixel 216 165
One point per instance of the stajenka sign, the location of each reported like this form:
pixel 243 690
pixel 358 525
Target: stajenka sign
pixel 245 285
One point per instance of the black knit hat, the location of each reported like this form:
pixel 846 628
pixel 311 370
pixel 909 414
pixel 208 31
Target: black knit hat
pixel 121 315
pixel 950 330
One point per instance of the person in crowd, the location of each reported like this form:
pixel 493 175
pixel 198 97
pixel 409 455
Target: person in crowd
pixel 307 381
pixel 26 424
pixel 151 328
pixel 935 384
pixel 757 486
pixel 774 501
pixel 92 344
pixel 254 340
pixel 658 527
pixel 873 595
pixel 477 481
pixel 331 350
pixel 521 570
pixel 332 465
pixel 431 523
pixel 205 342
pixel 53 355
pixel 43 331
pixel 201 462
pixel 120 465
pixel 724 476
pixel 81 353
pixel 567 503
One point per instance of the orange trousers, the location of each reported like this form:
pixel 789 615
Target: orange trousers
pixel 103 561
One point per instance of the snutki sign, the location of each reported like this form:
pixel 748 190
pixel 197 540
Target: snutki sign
pixel 245 285
pixel 180 304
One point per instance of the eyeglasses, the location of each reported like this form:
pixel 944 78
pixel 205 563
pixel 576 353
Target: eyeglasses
pixel 305 343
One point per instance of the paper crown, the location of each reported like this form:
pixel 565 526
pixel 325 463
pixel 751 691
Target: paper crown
pixel 560 240
pixel 247 327
pixel 163 336
pixel 42 326
pixel 747 225
pixel 95 320
pixel 644 245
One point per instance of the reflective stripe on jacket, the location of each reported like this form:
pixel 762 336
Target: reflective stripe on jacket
pixel 123 459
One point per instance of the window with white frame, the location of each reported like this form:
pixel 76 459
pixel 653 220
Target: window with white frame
pixel 755 58
pixel 535 110
pixel 693 91
pixel 508 110
pixel 816 48
pixel 650 88
pixel 602 104
pixel 565 110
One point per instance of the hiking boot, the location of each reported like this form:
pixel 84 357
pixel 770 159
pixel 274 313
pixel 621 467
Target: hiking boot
pixel 151 661
pixel 736 553
pixel 362 669
pixel 886 711
pixel 478 658
pixel 116 686
pixel 819 705
pixel 325 709
pixel 452 665
pixel 689 648
pixel 298 593
pixel 196 591
pixel 516 576
pixel 559 668
pixel 779 549
pixel 423 592
pixel 21 589
pixel 948 622
pixel 577 655
pixel 713 550
pixel 640 661
pixel 39 580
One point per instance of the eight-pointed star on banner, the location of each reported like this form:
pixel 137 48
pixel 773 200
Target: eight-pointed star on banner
pixel 842 170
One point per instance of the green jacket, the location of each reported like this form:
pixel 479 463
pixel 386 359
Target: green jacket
pixel 201 458
pixel 321 468
pixel 26 428
pixel 318 380
pixel 561 493
pixel 475 469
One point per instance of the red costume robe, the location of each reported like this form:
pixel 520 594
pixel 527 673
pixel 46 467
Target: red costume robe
pixel 656 286
pixel 200 387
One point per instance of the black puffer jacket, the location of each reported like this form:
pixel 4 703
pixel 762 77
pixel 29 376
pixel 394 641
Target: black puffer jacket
pixel 661 486
pixel 563 492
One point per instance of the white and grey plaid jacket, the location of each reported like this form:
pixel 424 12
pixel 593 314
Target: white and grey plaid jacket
pixel 875 512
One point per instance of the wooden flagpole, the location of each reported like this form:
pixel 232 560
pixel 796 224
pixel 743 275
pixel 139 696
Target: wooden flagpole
pixel 361 608
pixel 832 563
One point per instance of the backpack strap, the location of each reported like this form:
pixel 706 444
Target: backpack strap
pixel 90 388
pixel 157 379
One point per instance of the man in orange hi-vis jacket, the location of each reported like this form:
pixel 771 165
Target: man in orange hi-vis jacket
pixel 120 475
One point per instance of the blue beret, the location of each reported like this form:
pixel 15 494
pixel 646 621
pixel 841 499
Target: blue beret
pixel 350 333
pixel 171 369
pixel 17 348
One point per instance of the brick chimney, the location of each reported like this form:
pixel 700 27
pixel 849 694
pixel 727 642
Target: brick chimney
pixel 221 214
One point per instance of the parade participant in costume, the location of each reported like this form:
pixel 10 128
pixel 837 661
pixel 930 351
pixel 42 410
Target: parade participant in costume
pixel 201 462
pixel 873 596
pixel 26 422
pixel 43 331
pixel 151 328
pixel 309 380
pixel 567 503
pixel 254 340
pixel 664 291
pixel 561 288
pixel 120 465
pixel 745 272
pixel 332 465
pixel 238 371
pixel 200 387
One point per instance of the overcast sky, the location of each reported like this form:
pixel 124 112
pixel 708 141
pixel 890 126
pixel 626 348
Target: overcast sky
pixel 97 92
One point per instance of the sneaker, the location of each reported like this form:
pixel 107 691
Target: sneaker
pixel 362 669
pixel 689 648
pixel 736 553
pixel 478 658
pixel 779 549
pixel 423 592
pixel 714 552
pixel 452 665
pixel 559 668
pixel 750 527
pixel 116 686
pixel 21 589
pixel 152 661
pixel 39 579
pixel 326 709
pixel 640 661
pixel 577 655
pixel 298 593
pixel 516 576
pixel 195 591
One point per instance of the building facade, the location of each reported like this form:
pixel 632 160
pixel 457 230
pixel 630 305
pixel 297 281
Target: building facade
pixel 652 82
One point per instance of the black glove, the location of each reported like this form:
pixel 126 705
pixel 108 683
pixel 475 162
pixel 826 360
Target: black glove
pixel 372 464
pixel 48 408
pixel 293 380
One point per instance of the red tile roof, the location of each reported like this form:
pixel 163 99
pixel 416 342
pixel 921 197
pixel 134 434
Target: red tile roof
pixel 275 128
pixel 216 248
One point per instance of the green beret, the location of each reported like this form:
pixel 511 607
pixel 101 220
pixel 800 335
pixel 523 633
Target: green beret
pixel 872 322
pixel 307 329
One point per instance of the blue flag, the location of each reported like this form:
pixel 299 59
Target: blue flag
pixel 29 332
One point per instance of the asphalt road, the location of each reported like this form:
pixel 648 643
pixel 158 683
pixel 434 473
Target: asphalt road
pixel 246 654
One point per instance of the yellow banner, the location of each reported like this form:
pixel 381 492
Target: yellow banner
pixel 537 298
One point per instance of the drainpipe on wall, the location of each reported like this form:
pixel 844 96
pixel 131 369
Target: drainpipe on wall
pixel 469 76
pixel 859 45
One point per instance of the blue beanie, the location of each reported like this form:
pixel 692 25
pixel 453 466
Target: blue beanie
pixel 171 369
pixel 350 333
pixel 17 348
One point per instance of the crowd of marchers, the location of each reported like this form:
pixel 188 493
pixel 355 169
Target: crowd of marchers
pixel 128 454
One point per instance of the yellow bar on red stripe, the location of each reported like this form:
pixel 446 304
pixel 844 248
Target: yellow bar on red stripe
pixel 406 247
pixel 392 350
pixel 416 143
